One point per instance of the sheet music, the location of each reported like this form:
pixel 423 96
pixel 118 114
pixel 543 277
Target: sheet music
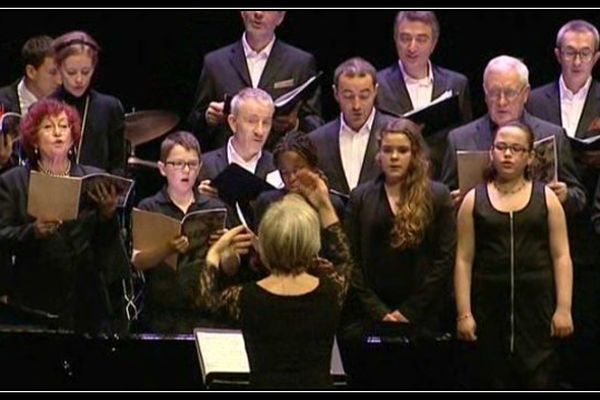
pixel 222 351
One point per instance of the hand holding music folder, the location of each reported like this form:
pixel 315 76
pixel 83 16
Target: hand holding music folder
pixel 152 229
pixel 62 197
pixel 235 184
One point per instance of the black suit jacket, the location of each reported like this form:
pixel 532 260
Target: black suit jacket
pixel 377 285
pixel 9 97
pixel 544 103
pixel 214 162
pixel 477 135
pixel 225 71
pixel 393 97
pixel 327 142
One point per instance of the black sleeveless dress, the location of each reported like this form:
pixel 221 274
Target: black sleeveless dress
pixel 513 292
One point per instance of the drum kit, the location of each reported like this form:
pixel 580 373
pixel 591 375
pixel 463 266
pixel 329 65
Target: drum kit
pixel 144 126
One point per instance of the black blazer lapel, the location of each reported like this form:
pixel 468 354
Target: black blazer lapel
pixel 335 161
pixel 552 105
pixel 483 134
pixel 272 67
pixel 397 85
pixel 590 110
pixel 369 164
pixel 440 83
pixel 221 160
pixel 238 62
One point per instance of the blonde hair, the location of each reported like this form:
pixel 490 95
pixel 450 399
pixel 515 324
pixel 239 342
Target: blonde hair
pixel 289 236
pixel 415 208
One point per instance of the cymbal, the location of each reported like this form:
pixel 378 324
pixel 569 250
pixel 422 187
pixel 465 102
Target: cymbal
pixel 138 162
pixel 144 126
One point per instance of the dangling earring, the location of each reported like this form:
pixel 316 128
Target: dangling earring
pixel 71 152
pixel 36 151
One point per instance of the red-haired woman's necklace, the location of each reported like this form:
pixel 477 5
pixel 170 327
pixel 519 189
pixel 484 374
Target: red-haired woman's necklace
pixel 51 173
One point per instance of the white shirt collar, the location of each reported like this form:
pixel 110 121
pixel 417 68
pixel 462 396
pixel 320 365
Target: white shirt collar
pixel 234 157
pixel 366 127
pixel 26 97
pixel 565 92
pixel 249 52
pixel 428 80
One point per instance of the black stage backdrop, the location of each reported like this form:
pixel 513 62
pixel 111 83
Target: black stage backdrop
pixel 152 58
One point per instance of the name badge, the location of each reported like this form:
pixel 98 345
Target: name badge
pixel 284 84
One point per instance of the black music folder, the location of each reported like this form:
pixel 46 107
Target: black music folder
pixel 285 103
pixel 586 144
pixel 235 184
pixel 438 115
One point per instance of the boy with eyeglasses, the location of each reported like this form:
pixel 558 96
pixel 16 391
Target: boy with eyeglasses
pixel 573 101
pixel 168 302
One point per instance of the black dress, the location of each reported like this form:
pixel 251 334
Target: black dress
pixel 288 338
pixel 513 291
pixel 69 276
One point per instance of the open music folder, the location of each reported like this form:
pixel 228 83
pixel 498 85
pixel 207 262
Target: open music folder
pixel 223 358
pixel 62 197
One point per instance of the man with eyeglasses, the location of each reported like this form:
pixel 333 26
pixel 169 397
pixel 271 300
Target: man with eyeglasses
pixel 346 147
pixel 573 101
pixel 506 86
pixel 413 81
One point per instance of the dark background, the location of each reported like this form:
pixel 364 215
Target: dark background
pixel 151 59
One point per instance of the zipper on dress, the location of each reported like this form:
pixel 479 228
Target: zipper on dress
pixel 512 283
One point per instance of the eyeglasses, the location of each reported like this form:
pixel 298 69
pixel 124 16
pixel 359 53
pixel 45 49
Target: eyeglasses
pixel 514 148
pixel 509 94
pixel 180 164
pixel 570 54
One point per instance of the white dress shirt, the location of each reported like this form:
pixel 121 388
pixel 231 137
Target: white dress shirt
pixel 571 105
pixel 234 157
pixel 353 146
pixel 419 90
pixel 26 98
pixel 256 61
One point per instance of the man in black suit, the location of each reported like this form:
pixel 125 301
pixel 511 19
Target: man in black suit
pixel 250 121
pixel 414 82
pixel 40 79
pixel 573 101
pixel 506 86
pixel 258 60
pixel 346 146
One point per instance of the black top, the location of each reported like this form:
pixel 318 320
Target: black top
pixel 513 278
pixel 103 138
pixel 414 281
pixel 288 338
pixel 66 274
pixel 169 305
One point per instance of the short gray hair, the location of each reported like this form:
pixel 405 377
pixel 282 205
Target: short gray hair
pixel 505 62
pixel 250 94
pixel 353 67
pixel 289 236
pixel 426 17
pixel 577 25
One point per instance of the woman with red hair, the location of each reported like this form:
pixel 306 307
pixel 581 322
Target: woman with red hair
pixel 62 270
